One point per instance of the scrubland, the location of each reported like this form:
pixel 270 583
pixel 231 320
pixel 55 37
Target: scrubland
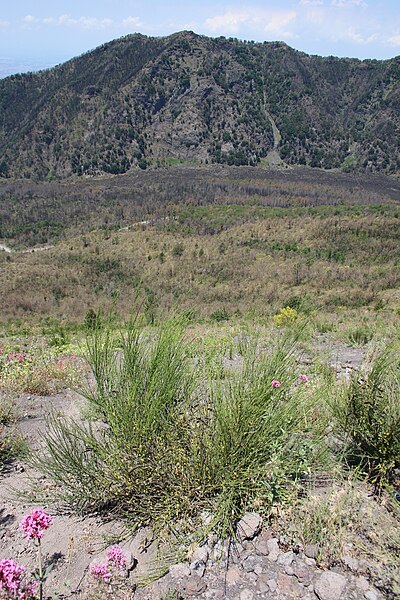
pixel 230 357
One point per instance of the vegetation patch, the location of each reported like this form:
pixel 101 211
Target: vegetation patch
pixel 178 438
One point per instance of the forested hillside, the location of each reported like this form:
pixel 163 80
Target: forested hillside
pixel 139 101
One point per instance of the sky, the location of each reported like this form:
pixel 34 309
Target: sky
pixel 36 34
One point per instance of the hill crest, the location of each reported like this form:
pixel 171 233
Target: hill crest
pixel 141 101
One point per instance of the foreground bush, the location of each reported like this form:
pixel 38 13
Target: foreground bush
pixel 368 418
pixel 261 435
pixel 170 441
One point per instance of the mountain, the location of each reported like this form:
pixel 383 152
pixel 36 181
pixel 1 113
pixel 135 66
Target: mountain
pixel 140 101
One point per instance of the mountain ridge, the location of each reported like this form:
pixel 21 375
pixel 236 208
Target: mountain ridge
pixel 142 101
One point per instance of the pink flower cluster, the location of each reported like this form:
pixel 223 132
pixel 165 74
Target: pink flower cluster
pixel 275 383
pixel 17 357
pixel 11 574
pixel 35 524
pixel 64 362
pixel 116 556
pixel 101 571
pixel 115 562
pixel 303 378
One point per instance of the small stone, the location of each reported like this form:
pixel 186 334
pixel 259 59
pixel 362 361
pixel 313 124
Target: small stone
pixel 371 595
pixel 273 549
pixel 248 527
pixel 262 547
pixel 179 571
pixel 249 564
pixel 350 562
pixel 258 569
pixel 289 570
pixel 246 595
pixel 214 593
pixel 272 585
pixel 301 571
pixel 362 583
pixel 311 550
pixel 220 551
pixel 286 558
pixel 290 586
pixel 330 586
pixel 212 540
pixel 248 545
pixel 311 562
pixel 206 518
pixel 262 587
pixel 131 561
pixel 200 554
pixel 233 576
pixel 266 534
pixel 194 585
pixel 252 577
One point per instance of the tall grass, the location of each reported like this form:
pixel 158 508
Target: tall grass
pixel 172 439
pixel 367 413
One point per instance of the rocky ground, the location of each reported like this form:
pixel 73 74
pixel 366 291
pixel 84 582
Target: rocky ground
pixel 256 566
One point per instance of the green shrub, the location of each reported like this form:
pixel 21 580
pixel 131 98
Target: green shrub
pixel 92 320
pixel 368 418
pixel 359 336
pixel 259 437
pixel 138 461
pixel 219 315
pixel 323 326
pixel 11 443
pixel 178 250
pixel 304 303
pixel 167 444
pixel 59 340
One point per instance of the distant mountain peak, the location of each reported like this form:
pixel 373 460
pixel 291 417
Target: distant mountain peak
pixel 140 101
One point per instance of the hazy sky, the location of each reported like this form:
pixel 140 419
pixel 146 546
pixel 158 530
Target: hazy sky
pixel 40 33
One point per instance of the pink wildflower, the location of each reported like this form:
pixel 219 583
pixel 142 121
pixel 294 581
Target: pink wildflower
pixel 30 590
pixel 303 378
pixel 101 571
pixel 17 357
pixel 275 383
pixel 35 524
pixel 117 556
pixel 11 574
